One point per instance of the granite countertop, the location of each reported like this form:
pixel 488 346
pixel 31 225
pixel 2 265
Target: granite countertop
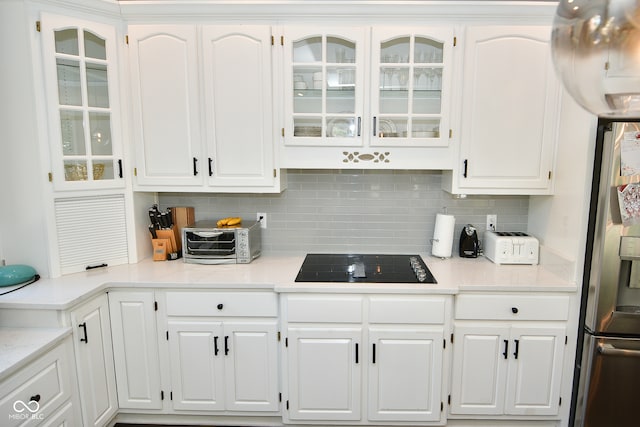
pixel 278 272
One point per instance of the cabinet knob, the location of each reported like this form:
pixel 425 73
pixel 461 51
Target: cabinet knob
pixel 514 310
pixel 220 306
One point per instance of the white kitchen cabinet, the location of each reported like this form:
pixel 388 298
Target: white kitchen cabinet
pixel 405 374
pixel 166 104
pixel 83 103
pixel 214 130
pixel 508 367
pixel 223 351
pixel 135 349
pixel 393 344
pixel 350 103
pixel 44 392
pixel 324 373
pixel 510 112
pixel 94 361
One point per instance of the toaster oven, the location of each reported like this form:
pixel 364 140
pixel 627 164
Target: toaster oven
pixel 204 243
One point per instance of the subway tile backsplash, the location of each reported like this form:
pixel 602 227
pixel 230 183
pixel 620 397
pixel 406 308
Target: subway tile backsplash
pixel 356 211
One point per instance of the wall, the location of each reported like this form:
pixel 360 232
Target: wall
pixel 359 211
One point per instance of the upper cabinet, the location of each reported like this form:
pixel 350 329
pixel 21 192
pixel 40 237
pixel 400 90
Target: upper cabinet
pixel 510 112
pixel 81 82
pixel 357 97
pixel 203 108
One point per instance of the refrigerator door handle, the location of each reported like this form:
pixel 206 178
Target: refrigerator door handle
pixel 609 350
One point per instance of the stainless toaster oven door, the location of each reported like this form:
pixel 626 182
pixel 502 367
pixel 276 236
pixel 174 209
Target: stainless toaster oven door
pixel 214 244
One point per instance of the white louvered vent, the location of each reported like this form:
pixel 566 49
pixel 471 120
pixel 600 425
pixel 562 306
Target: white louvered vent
pixel 91 231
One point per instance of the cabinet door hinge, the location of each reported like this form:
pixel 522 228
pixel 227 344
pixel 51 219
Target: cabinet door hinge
pixel 450 133
pixel 549 174
pixel 606 65
pixel 50 177
pixel 455 40
pixel 275 173
pixel 135 171
pixel 273 41
pixel 279 336
pixel 38 27
pixel 281 40
pixel 282 132
pixel 126 39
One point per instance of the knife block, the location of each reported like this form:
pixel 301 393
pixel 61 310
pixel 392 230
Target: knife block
pixel 182 216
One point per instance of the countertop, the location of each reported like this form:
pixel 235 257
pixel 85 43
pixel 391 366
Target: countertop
pixel 277 272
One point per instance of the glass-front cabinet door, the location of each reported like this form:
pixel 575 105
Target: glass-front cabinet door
pixel 80 77
pixel 324 80
pixel 411 86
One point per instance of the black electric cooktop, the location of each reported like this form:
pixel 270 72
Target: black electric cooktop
pixel 364 268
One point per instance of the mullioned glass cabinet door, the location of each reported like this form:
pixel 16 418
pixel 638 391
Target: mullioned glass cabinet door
pixel 81 80
pixel 324 86
pixel 411 86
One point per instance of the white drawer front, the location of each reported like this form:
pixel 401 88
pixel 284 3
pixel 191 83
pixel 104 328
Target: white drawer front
pixel 407 309
pixel 323 308
pixel 47 381
pixel 512 307
pixel 222 304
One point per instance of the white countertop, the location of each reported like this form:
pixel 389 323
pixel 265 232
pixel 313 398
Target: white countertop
pixel 20 346
pixel 277 272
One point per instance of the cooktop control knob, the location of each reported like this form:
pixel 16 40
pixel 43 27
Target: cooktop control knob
pixel 417 268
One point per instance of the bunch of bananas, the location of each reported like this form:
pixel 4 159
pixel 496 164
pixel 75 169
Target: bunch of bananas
pixel 229 221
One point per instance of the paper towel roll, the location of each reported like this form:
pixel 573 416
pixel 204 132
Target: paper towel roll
pixel 442 242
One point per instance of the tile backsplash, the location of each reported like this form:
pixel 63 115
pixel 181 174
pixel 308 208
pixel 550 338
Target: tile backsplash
pixel 356 211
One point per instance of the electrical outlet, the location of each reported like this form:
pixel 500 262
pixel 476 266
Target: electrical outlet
pixel 262 217
pixel 492 222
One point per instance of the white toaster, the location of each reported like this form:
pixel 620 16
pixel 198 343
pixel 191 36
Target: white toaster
pixel 510 247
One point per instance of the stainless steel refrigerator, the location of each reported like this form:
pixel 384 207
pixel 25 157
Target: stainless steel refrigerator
pixel 607 372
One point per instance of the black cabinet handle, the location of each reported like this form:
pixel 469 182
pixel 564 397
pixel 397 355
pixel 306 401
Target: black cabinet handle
pixel 84 328
pixel 466 165
pixel 514 310
pixel 215 346
pixel 120 168
pixel 220 306
pixel 373 354
pixel 357 352
pixel 374 125
pixel 195 166
pixel 35 398
pixel 506 349
pixel 210 166
pixel 515 353
pixel 359 125
pixel 226 345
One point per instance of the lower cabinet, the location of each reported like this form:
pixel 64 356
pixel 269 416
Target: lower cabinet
pixel 94 361
pixel 364 358
pixel 43 393
pixel 135 349
pixel 508 367
pixel 192 352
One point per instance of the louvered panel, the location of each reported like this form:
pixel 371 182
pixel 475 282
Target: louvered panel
pixel 91 231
